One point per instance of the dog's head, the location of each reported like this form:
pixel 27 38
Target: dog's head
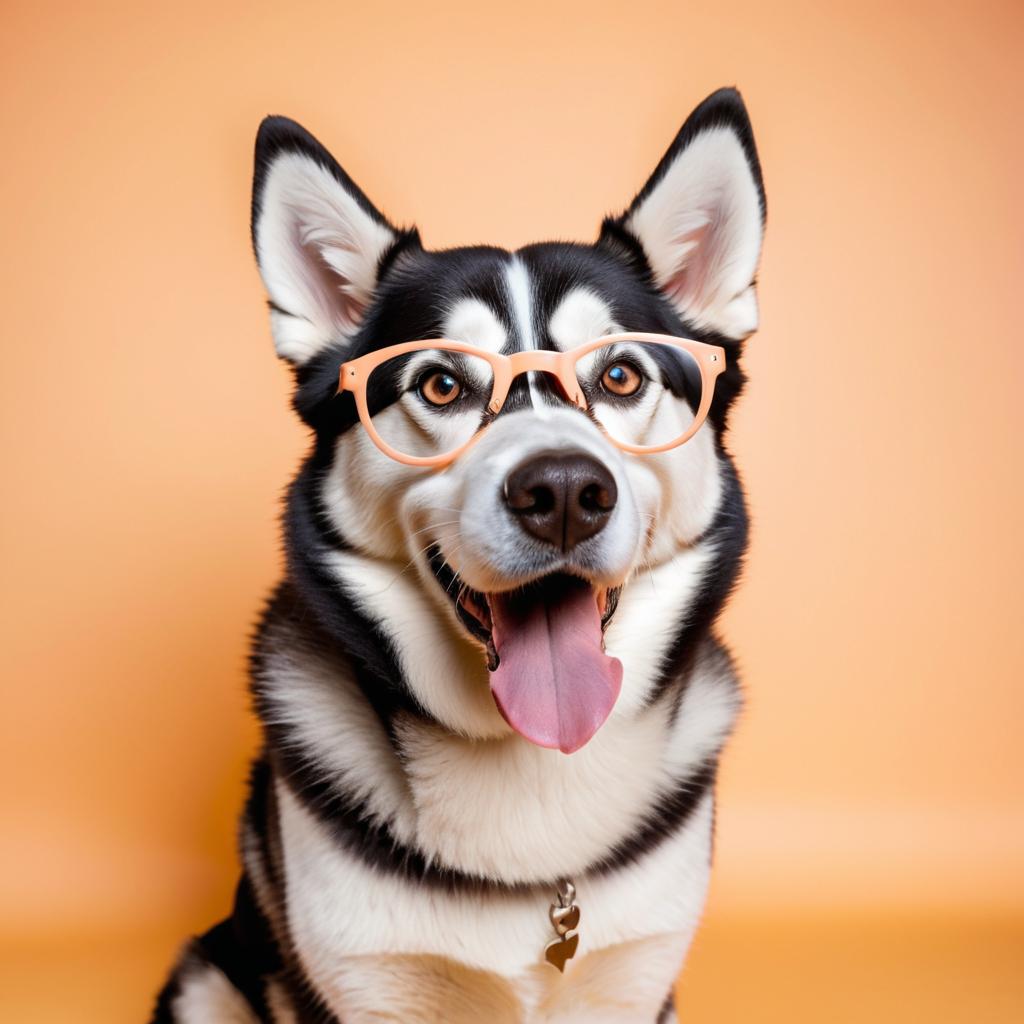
pixel 523 547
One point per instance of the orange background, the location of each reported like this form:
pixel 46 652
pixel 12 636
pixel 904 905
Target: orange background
pixel 871 839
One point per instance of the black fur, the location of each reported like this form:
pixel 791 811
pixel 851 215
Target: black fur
pixel 241 947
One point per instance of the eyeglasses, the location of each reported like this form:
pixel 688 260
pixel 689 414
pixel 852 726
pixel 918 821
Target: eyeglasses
pixel 423 403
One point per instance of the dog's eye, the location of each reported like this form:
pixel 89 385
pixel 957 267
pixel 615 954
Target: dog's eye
pixel 439 388
pixel 621 379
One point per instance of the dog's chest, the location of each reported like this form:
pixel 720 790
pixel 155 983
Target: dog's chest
pixel 382 948
pixel 626 982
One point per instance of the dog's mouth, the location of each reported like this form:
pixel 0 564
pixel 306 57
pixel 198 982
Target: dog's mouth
pixel 550 676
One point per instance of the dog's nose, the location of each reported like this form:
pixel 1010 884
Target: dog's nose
pixel 562 498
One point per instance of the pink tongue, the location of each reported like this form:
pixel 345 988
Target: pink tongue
pixel 554 684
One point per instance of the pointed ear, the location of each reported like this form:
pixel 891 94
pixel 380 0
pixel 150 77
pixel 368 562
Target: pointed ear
pixel 319 241
pixel 700 218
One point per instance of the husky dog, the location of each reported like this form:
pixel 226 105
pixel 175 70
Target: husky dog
pixel 491 695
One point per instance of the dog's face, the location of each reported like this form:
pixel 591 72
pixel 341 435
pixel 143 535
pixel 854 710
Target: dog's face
pixel 524 546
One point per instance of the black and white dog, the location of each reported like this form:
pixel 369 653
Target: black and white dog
pixel 413 849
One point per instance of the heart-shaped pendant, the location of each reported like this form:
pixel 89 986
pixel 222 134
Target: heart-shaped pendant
pixel 565 919
pixel 565 916
pixel 558 951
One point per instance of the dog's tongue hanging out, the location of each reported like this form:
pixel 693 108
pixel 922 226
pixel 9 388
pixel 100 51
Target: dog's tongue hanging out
pixel 554 684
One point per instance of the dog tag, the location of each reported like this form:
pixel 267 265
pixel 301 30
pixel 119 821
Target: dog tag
pixel 558 951
pixel 565 919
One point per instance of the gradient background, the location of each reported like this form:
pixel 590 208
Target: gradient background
pixel 870 861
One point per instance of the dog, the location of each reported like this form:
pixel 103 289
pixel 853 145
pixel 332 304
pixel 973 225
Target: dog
pixel 491 695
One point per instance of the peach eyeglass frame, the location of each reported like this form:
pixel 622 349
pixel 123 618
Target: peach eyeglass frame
pixel 355 374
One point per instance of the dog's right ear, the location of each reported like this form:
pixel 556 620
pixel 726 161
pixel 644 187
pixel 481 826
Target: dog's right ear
pixel 319 241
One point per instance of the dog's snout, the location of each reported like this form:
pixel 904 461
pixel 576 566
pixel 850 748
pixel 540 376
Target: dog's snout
pixel 562 498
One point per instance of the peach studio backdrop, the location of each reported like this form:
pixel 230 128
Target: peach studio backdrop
pixel 871 836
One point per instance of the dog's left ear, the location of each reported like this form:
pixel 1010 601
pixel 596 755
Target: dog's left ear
pixel 700 218
pixel 320 243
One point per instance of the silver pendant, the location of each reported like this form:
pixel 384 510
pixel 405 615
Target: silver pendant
pixel 565 917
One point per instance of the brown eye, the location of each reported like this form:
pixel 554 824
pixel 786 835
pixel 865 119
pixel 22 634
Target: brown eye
pixel 621 379
pixel 440 388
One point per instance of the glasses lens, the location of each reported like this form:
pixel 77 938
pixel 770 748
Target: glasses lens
pixel 431 402
pixel 644 394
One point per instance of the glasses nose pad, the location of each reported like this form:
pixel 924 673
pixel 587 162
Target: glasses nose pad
pixel 569 390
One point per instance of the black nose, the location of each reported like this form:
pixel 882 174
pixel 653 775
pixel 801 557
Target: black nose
pixel 562 498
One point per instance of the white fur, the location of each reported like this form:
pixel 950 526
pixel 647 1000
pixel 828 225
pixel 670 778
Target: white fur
pixel 685 488
pixel 520 291
pixel 318 252
pixel 474 322
pixel 701 229
pixel 207 997
pixel 362 494
pixel 252 857
pixel 524 812
pixel 330 718
pixel 347 919
pixel 600 792
pixel 706 715
pixel 280 1006
pixel 441 666
pixel 581 316
pixel 648 619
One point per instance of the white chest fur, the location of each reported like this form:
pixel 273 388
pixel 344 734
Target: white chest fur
pixel 379 948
